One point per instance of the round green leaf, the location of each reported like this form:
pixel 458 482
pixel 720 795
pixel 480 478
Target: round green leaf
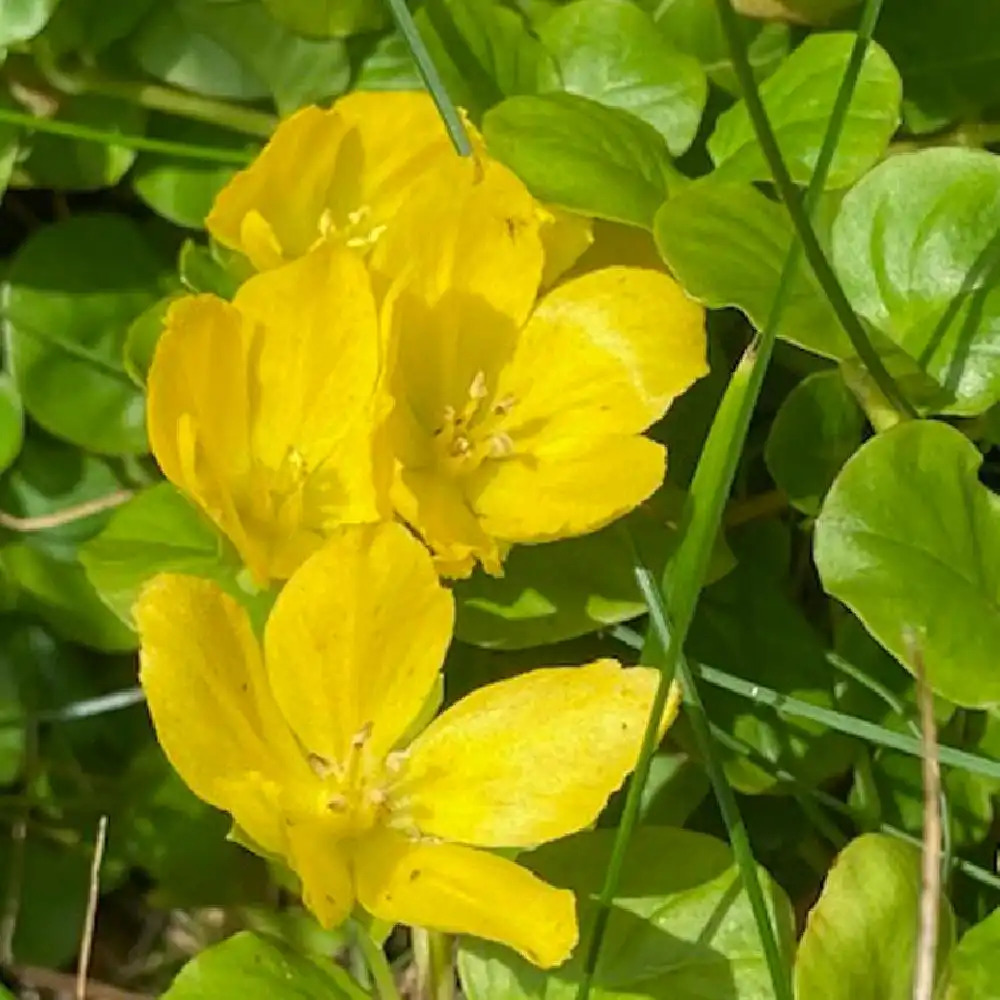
pixel 693 26
pixel 611 52
pixel 799 99
pixel 67 164
pixel 23 19
pixel 70 294
pixel 60 595
pixel 253 968
pixel 860 941
pixel 925 268
pixel 974 973
pixel 727 243
pixel 816 430
pixel 157 531
pixel 909 540
pixel 576 153
pixel 142 337
pixel 180 189
pixel 328 18
pixel 11 421
pixel 681 927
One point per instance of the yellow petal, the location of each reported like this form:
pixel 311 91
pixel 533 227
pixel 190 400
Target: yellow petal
pixel 198 411
pixel 530 759
pixel 566 236
pixel 460 890
pixel 356 639
pixel 286 189
pixel 565 488
pixel 605 353
pixel 316 374
pixel 320 862
pixel 211 705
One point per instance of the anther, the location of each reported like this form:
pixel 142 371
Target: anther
pixel 503 405
pixel 394 761
pixel 378 797
pixel 361 737
pixel 478 388
pixel 337 804
pixel 321 767
pixel 461 447
pixel 500 445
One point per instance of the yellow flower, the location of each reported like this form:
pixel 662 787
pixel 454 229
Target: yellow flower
pixel 342 174
pixel 304 742
pixel 516 420
pixel 266 411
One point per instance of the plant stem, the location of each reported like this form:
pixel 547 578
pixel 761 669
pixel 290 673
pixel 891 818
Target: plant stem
pixel 429 74
pixel 378 965
pixel 433 954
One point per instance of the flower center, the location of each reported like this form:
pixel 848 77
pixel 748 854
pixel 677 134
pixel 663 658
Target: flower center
pixel 469 436
pixel 358 793
pixel 357 230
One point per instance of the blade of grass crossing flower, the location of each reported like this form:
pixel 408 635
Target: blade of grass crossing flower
pixel 789 194
pixel 429 74
pixel 142 143
pixel 684 575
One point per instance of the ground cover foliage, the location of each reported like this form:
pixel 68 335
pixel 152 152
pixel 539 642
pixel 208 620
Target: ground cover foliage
pixel 828 527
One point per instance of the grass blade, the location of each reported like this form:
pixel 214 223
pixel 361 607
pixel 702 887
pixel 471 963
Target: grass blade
pixel 429 74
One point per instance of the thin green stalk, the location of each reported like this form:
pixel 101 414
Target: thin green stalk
pixel 429 74
pixel 739 839
pixel 789 194
pixel 378 965
pixel 684 576
pixel 110 137
pixel 433 954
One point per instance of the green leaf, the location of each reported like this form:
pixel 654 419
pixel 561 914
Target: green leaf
pixel 578 154
pixel 611 52
pixel 88 27
pixel 925 270
pixel 205 269
pixel 65 164
pixel 59 593
pixel 727 243
pixel 157 531
pixel 23 19
pixel 67 310
pixel 253 968
pixel 799 99
pixel 564 589
pixel 817 428
pixel 950 65
pixel 49 477
pixel 747 626
pixel 180 189
pixel 909 540
pixel 11 422
pixel 142 337
pixel 860 941
pixel 693 27
pixel 387 65
pixel 483 51
pixel 328 18
pixel 974 972
pixel 680 928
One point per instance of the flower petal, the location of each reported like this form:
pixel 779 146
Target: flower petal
pixel 565 488
pixel 460 890
pixel 284 190
pixel 211 705
pixel 198 411
pixel 319 861
pixel 604 353
pixel 529 759
pixel 435 507
pixel 356 639
pixel 565 236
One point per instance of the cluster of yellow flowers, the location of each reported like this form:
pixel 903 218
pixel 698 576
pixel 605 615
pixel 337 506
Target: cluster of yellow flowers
pixel 409 383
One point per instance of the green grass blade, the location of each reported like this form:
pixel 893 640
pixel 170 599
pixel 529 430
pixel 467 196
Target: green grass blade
pixel 141 143
pixel 429 74
pixel 685 574
pixel 789 194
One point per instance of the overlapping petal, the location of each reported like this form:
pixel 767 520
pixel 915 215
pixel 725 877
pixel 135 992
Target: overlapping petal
pixel 356 639
pixel 458 889
pixel 530 759
pixel 212 706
